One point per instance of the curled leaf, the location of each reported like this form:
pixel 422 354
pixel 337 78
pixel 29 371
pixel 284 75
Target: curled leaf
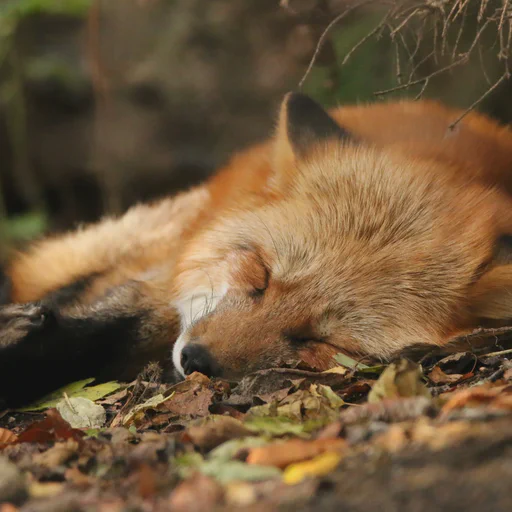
pixel 398 380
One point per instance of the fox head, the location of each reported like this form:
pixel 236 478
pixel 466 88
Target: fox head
pixel 355 249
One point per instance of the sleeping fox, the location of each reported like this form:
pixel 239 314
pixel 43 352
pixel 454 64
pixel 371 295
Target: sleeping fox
pixel 366 230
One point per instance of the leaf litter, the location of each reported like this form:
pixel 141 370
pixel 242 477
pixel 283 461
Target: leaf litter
pixel 273 439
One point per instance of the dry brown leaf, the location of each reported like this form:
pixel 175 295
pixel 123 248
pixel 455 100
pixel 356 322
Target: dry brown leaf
pixel 52 428
pixel 390 411
pixel 459 363
pixel 192 397
pixel 276 383
pixel 57 455
pixel 147 484
pixel 76 477
pixel 7 437
pixel 215 430
pixel 437 376
pixel 400 379
pixel 331 431
pixel 295 450
pixel 196 494
pixel 426 433
pixel 492 397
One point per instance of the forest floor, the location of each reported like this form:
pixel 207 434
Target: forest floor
pixel 406 436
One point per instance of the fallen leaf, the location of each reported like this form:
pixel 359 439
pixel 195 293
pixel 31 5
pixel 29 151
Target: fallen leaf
pixel 389 410
pixel 75 389
pixel 378 369
pixel 114 397
pixel 497 398
pixel 13 483
pixel 147 481
pixel 137 412
pixel 460 363
pixel 191 397
pixel 275 426
pixel 348 362
pixel 52 428
pixel 311 408
pixel 437 376
pixel 276 383
pixel 57 454
pixel 240 494
pixel 319 466
pixel 295 450
pixel 213 431
pixel 400 379
pixel 82 413
pixel 45 490
pixel 196 494
pixel 7 437
pixel 235 470
pixel 340 370
pixel 357 391
pixel 188 463
pixel 76 477
pixel 231 449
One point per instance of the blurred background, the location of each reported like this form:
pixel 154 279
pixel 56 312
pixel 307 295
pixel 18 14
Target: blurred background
pixel 104 103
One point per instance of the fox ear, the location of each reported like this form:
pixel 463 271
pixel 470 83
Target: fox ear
pixel 491 295
pixel 306 123
pixel 302 124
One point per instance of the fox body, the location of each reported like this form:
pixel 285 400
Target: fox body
pixel 365 230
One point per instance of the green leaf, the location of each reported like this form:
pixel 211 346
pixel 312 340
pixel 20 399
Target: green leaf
pixel 334 400
pixel 223 470
pixel 275 426
pixel 378 368
pixel 187 463
pixel 75 389
pixel 348 362
pixel 235 470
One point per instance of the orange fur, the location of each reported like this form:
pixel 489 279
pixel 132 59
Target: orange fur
pixel 368 245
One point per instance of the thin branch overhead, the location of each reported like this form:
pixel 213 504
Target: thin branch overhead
pixel 429 38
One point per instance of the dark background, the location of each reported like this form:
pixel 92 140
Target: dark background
pixel 105 103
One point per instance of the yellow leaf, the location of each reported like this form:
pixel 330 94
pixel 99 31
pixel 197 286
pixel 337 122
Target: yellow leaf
pixel 319 466
pixel 340 370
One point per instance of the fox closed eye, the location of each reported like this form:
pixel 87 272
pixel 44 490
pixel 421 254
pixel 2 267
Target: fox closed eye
pixel 301 338
pixel 249 272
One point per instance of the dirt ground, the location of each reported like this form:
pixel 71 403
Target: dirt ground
pixel 405 436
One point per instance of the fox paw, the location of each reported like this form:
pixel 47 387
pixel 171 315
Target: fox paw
pixel 19 320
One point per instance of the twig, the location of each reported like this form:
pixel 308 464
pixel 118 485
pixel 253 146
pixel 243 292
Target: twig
pixel 323 36
pixel 503 77
pixel 366 37
pixel 499 353
pixel 423 79
pixel 420 94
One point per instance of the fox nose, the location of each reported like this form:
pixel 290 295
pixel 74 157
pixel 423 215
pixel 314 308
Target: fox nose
pixel 196 358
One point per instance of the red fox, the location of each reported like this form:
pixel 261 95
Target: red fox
pixel 366 230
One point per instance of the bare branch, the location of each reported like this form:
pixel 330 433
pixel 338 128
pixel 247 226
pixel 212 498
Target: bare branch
pixel 498 82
